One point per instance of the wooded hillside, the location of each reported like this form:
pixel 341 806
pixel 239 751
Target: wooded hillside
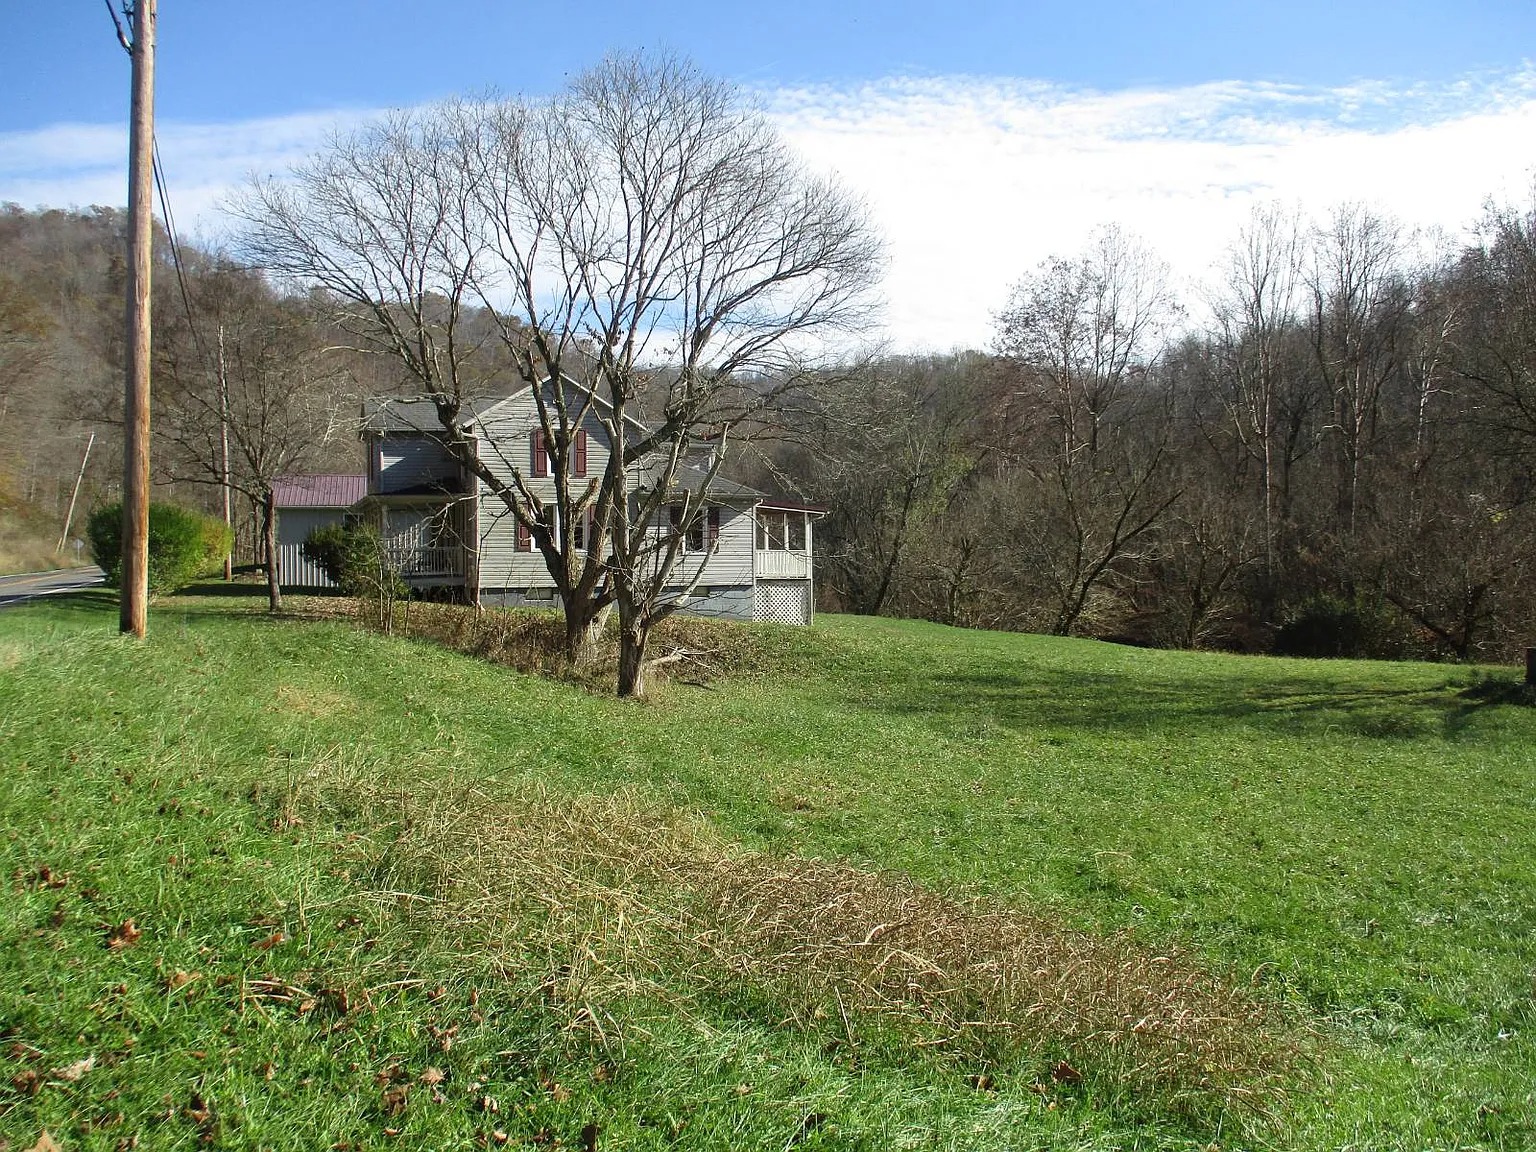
pixel 1330 451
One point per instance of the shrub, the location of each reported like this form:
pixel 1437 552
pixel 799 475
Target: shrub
pixel 183 544
pixel 1334 626
pixel 351 555
pixel 354 557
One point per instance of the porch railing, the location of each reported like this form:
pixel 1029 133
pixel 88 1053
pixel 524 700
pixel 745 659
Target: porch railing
pixel 777 564
pixel 428 561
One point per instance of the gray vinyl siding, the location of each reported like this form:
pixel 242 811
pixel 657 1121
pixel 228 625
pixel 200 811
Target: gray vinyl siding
pixel 505 437
pixel 407 463
pixel 293 525
pixel 505 445
pixel 735 603
pixel 731 561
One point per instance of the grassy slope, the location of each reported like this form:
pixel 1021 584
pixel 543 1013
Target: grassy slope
pixel 1359 838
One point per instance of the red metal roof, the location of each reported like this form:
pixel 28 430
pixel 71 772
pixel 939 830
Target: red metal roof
pixel 330 491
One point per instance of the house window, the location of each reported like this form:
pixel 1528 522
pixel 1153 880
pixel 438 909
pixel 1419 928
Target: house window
pixel 577 459
pixel 702 534
pixel 581 528
pixel 779 531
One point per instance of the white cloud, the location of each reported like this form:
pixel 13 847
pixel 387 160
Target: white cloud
pixel 975 181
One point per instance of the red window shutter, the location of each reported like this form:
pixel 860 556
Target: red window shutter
pixel 524 538
pixel 540 456
pixel 712 541
pixel 581 451
pixel 675 514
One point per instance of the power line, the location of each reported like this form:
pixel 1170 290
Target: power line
pixel 175 244
pixel 165 201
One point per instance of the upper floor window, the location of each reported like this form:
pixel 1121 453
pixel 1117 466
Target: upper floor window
pixel 577 457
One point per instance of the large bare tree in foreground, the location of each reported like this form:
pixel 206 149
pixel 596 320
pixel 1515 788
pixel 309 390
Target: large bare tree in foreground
pixel 640 238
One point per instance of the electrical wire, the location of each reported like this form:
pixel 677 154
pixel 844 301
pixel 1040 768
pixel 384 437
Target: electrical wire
pixel 165 201
pixel 175 245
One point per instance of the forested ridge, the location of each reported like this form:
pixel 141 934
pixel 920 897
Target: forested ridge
pixel 1327 449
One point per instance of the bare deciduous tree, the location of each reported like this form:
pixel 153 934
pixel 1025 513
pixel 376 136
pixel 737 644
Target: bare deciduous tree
pixel 1255 313
pixel 246 365
pixel 1089 423
pixel 1359 301
pixel 641 239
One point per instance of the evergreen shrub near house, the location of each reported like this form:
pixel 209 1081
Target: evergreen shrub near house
pixel 183 544
pixel 354 557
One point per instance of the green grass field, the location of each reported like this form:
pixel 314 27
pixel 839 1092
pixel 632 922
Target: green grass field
pixel 287 884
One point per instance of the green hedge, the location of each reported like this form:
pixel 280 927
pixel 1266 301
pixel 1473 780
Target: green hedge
pixel 183 544
pixel 355 559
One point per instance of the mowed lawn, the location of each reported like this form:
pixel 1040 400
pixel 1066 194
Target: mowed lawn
pixel 1353 843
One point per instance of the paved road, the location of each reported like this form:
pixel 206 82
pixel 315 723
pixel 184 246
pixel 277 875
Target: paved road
pixel 16 589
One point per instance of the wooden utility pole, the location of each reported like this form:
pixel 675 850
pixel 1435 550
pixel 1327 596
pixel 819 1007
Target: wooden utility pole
pixel 229 523
pixel 133 614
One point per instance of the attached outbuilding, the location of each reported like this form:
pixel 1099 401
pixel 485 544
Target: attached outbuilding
pixel 302 504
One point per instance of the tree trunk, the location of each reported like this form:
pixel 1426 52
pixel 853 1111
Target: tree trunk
pixel 269 543
pixel 632 640
pixel 584 632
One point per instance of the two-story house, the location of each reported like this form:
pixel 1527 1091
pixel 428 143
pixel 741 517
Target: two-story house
pixel 449 532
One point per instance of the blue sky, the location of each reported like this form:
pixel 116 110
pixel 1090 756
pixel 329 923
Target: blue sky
pixel 985 136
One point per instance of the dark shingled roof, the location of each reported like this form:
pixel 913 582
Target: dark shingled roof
pixel 331 491
pixel 691 478
pixel 417 415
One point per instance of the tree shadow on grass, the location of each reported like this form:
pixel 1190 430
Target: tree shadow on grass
pixel 235 589
pixel 1042 700
pixel 88 602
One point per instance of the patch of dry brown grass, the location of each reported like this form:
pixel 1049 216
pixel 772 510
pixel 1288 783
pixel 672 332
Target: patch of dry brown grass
pixel 525 639
pixel 693 649
pixel 601 900
pixel 311 701
pixel 21 555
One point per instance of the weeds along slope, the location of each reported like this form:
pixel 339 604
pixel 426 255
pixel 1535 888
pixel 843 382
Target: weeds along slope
pixel 608 900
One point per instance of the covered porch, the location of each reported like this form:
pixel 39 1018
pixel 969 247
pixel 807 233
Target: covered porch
pixel 428 539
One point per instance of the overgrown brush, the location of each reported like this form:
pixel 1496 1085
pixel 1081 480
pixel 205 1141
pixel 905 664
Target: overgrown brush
pixel 598 902
pixel 690 649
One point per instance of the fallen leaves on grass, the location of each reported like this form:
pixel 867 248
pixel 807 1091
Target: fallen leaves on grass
pixel 394 1098
pixel 125 935
pixel 44 877
pixel 69 1073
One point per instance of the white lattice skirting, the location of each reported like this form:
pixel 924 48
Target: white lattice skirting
pixel 783 601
